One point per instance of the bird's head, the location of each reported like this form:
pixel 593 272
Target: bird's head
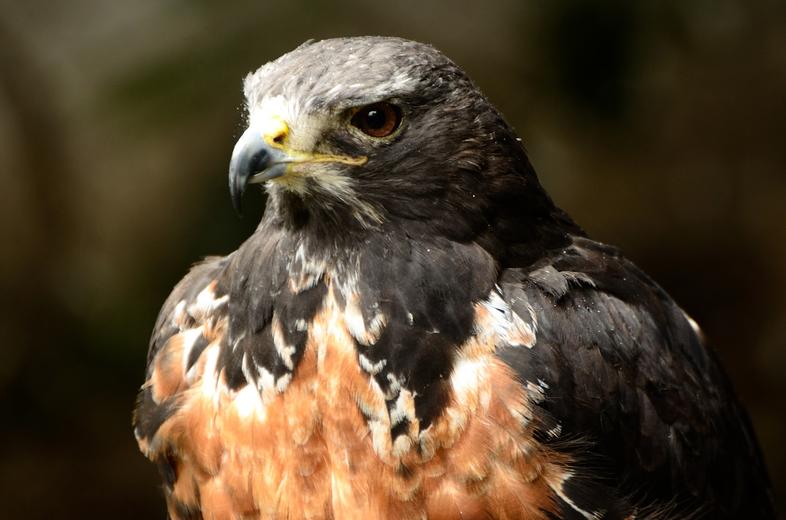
pixel 360 132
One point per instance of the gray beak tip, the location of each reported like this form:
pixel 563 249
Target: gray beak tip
pixel 251 155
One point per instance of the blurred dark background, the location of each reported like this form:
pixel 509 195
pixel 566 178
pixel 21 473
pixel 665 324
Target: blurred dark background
pixel 660 126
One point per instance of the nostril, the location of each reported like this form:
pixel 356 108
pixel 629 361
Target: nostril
pixel 279 139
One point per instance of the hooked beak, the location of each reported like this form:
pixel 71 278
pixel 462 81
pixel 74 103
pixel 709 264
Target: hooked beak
pixel 264 153
pixel 254 160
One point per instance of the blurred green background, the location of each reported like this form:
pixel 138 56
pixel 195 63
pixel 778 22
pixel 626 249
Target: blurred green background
pixel 660 126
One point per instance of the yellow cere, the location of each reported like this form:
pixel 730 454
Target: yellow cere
pixel 274 131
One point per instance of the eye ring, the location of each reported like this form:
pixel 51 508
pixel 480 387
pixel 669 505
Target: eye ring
pixel 377 119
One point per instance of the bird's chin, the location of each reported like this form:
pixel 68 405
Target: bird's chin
pixel 291 177
pixel 293 182
pixel 306 178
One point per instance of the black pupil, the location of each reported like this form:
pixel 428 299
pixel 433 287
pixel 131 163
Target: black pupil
pixel 375 118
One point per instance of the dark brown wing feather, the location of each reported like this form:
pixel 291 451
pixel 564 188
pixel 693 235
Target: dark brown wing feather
pixel 627 373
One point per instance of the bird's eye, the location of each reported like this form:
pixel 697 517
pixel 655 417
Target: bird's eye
pixel 377 120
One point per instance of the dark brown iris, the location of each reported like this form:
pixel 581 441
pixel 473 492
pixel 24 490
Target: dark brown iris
pixel 378 119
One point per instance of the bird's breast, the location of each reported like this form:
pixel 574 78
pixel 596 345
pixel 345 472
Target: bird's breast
pixel 327 440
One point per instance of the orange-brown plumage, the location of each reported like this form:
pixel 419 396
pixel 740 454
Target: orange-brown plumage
pixel 246 454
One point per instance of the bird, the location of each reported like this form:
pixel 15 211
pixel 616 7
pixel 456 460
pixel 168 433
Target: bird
pixel 416 330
